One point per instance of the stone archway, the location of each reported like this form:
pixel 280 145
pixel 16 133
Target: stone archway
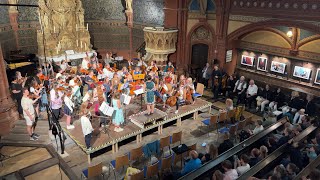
pixel 201 33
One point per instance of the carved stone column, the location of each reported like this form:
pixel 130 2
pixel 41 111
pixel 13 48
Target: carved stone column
pixel 130 26
pixel 8 110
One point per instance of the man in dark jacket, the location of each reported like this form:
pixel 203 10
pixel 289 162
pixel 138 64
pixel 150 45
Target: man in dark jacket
pixel 226 145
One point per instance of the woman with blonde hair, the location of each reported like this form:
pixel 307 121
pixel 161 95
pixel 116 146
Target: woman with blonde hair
pixel 229 104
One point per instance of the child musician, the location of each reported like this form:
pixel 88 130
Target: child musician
pixel 150 99
pixel 68 108
pixel 86 126
pixel 117 117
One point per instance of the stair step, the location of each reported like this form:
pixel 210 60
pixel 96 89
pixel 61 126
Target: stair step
pixel 24 138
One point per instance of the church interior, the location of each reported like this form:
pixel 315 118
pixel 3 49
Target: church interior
pixel 160 89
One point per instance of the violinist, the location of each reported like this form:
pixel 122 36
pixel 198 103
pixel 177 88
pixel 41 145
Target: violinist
pixel 64 65
pixel 90 80
pixel 68 108
pixel 216 81
pixel 43 82
pixel 17 86
pixel 153 67
pixel 178 94
pixel 190 90
pixel 169 67
pixel 35 90
pixel 60 75
pixel 75 83
pixel 164 91
pixel 107 89
pixel 136 71
pixel 47 68
pixel 141 64
pixel 182 80
pixel 115 83
pixel 56 101
pixel 94 59
pixel 169 78
pixel 108 71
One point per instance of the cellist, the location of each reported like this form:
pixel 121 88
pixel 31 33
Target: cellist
pixel 190 90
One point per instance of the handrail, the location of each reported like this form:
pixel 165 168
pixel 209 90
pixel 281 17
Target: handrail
pixel 211 164
pixel 274 155
pixel 306 171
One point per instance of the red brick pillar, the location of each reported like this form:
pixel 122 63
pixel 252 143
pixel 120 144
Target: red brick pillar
pixel 13 15
pixel 8 110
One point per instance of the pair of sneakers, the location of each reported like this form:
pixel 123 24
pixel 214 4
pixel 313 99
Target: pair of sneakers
pixel 118 129
pixel 34 137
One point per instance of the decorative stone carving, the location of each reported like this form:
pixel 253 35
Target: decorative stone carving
pixel 62 27
pixel 201 34
pixel 159 43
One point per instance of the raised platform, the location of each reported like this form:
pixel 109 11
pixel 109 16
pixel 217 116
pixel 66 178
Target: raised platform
pixel 143 121
pixel 111 138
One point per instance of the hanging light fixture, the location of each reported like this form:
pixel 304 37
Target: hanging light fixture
pixel 290 33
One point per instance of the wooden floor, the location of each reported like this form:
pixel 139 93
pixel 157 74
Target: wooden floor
pixel 76 159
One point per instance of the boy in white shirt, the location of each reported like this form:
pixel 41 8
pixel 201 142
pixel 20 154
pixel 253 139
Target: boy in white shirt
pixel 86 126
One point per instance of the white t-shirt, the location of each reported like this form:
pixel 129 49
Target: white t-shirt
pixel 230 175
pixel 239 85
pixel 72 83
pixel 86 125
pixel 252 89
pixel 84 64
pixel 63 67
pixel 27 105
pixel 258 129
pixel 243 169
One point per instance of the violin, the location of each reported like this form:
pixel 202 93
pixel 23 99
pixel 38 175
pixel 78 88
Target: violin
pixel 171 101
pixel 189 94
pixel 95 79
pixel 171 69
pixel 43 77
pixel 84 71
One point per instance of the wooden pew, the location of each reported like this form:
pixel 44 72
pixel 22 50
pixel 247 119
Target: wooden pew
pixel 208 167
pixel 274 155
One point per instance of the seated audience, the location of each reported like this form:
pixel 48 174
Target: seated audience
pixel 242 165
pixel 284 139
pixel 258 127
pixel 239 89
pixel 314 175
pixel 211 153
pixel 254 159
pixel 226 145
pixel 295 102
pixel 264 98
pixel 277 100
pixel 229 104
pixel 251 94
pixel 192 164
pixel 230 86
pixel 292 170
pixel 310 105
pixel 230 174
pixel 263 152
pixel 280 171
pixel 296 156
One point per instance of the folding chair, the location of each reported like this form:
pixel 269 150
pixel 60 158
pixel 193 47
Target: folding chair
pixel 166 164
pixel 135 154
pixel 231 115
pixel 199 90
pixel 92 171
pixel 165 142
pixel 213 121
pixel 120 163
pixel 222 117
pixel 176 137
pixel 152 170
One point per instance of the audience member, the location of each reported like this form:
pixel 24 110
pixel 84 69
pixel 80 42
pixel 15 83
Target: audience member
pixel 231 82
pixel 296 156
pixel 295 102
pixel 264 98
pixel 278 99
pixel 226 145
pixel 242 165
pixel 251 94
pixel 292 170
pixel 192 164
pixel 211 153
pixel 230 174
pixel 263 152
pixel 258 127
pixel 216 81
pixel 229 104
pixel 281 172
pixel 284 139
pixel 254 159
pixel 314 175
pixel 206 74
pixel 239 89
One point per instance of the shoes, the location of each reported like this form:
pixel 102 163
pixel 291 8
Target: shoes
pixel 70 127
pixel 36 135
pixel 147 114
pixel 176 112
pixel 89 149
pixel 32 138
pixel 118 129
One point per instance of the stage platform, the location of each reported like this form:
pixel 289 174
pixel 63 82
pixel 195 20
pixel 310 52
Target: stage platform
pixel 102 140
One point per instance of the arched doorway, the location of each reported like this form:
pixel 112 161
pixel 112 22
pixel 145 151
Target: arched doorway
pixel 199 58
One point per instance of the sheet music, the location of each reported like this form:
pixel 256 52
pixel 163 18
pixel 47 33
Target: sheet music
pixel 125 99
pixel 106 109
pixel 86 97
pixel 139 91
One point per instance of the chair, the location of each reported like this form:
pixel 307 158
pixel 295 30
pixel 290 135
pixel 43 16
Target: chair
pixel 192 147
pixel 176 137
pixel 166 164
pixel 231 115
pixel 136 154
pixel 122 161
pixel 177 158
pixel 249 121
pixel 165 142
pixel 92 171
pixel 152 170
pixel 232 130
pixel 222 116
pixel 199 90
pixel 137 176
pixel 213 121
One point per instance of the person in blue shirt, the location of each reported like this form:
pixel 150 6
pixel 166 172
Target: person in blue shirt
pixel 192 164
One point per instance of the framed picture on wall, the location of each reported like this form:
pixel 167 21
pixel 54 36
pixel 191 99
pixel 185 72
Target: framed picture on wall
pixel 247 60
pixel 278 67
pixel 317 78
pixel 262 64
pixel 301 72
